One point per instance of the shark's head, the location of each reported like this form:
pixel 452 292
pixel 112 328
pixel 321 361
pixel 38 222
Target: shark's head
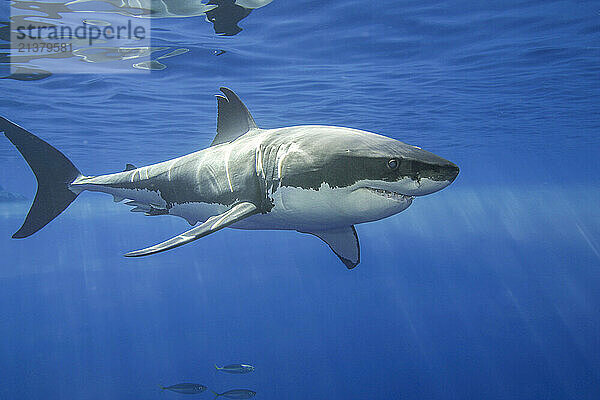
pixel 375 176
pixel 397 168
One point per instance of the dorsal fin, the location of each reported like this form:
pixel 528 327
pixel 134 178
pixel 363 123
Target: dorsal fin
pixel 233 118
pixel 129 167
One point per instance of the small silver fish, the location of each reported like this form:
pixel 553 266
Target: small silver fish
pixel 185 388
pixel 236 394
pixel 236 368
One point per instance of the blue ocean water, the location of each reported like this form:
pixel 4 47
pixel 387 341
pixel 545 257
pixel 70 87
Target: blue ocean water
pixel 489 289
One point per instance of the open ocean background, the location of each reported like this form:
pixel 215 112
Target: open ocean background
pixel 489 289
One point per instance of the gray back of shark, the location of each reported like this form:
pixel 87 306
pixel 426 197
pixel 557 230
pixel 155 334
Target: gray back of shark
pixel 314 179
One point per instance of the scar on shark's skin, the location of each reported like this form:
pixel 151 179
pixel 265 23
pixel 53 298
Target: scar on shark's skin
pixel 315 179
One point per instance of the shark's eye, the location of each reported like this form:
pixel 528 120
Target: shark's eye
pixel 393 164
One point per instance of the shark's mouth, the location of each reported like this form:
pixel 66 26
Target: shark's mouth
pixel 390 195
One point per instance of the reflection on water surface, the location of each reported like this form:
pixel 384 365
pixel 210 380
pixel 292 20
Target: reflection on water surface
pixel 34 58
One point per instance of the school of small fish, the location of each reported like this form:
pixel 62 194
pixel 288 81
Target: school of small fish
pixel 196 388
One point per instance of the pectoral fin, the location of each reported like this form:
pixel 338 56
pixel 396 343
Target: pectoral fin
pixel 213 224
pixel 343 242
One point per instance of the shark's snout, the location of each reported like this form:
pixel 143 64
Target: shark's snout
pixel 452 171
pixel 423 173
pixel 435 177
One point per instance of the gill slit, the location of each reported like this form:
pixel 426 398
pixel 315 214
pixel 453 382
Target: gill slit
pixel 227 155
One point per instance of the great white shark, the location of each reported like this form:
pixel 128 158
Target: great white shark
pixel 314 179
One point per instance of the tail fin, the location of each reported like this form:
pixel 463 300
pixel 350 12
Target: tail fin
pixel 53 171
pixel 217 367
pixel 217 395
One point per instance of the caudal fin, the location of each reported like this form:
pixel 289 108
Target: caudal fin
pixel 53 171
pixel 217 395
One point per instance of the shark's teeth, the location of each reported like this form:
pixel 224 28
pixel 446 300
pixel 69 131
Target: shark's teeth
pixel 390 195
